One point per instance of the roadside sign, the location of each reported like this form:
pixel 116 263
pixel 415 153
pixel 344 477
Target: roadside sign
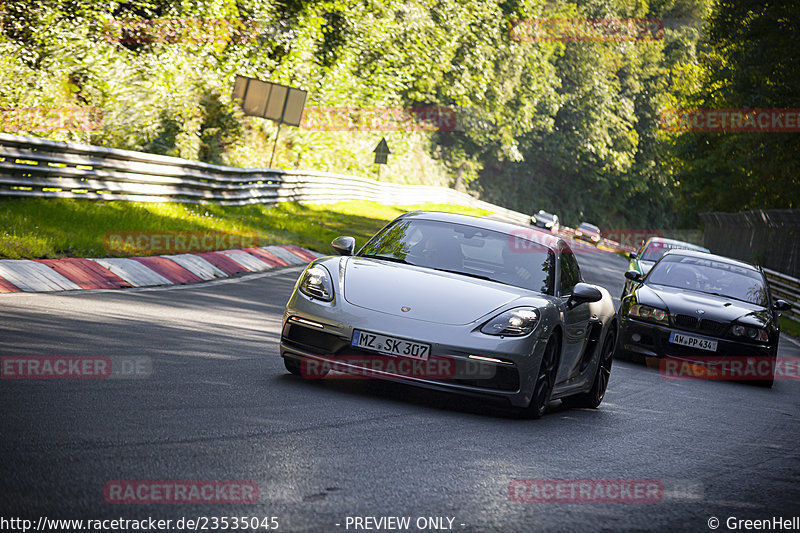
pixel 276 102
pixel 382 152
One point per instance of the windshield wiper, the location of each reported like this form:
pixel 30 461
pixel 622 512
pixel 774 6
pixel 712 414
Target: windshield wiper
pixel 478 276
pixel 728 296
pixel 389 258
pixel 707 292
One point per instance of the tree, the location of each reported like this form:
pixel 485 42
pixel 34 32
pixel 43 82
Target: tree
pixel 750 62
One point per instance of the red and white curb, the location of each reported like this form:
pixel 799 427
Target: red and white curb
pixel 47 275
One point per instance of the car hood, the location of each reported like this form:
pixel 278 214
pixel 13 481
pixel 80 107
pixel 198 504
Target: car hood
pixel 719 308
pixel 429 295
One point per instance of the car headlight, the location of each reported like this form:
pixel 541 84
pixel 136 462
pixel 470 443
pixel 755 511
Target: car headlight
pixel 749 333
pixel 316 283
pixel 649 314
pixel 596 238
pixel 514 322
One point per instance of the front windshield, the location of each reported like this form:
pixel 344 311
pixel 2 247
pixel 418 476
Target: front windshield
pixel 712 277
pixel 476 252
pixel 656 249
pixel 589 227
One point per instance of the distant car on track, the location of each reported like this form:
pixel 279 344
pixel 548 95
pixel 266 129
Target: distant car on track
pixel 651 251
pixel 502 308
pixel 700 307
pixel 588 232
pixel 545 220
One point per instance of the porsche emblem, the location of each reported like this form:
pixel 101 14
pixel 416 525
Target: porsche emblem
pixel 405 309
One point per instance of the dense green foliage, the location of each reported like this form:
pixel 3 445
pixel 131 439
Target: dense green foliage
pixel 571 127
pixel 750 60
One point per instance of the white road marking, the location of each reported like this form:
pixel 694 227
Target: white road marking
pixel 197 266
pixel 132 271
pixel 247 261
pixel 246 277
pixel 31 276
pixel 792 340
pixel 284 254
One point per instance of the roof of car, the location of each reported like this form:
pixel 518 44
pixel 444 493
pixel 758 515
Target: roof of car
pixel 544 237
pixel 688 245
pixel 709 257
pixel 588 225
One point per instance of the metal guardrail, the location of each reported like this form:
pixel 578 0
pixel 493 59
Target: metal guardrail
pixel 30 166
pixel 786 288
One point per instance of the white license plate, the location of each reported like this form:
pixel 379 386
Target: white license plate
pixel 390 345
pixel 693 342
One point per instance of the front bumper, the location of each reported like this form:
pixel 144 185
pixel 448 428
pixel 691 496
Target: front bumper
pixel 652 340
pixel 587 238
pixel 303 340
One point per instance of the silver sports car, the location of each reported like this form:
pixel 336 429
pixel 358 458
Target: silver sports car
pixel 457 303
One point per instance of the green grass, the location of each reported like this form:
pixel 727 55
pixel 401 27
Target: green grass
pixel 790 326
pixel 36 228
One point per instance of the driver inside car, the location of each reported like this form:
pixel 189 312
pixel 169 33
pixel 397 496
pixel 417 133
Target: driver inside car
pixel 441 251
pixel 516 262
pixel 683 276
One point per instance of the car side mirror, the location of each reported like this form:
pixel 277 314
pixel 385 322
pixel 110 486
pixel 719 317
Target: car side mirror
pixel 781 305
pixel 633 275
pixel 633 255
pixel 584 293
pixel 344 245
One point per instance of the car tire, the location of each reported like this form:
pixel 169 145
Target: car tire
pixel 545 381
pixel 767 383
pixel 311 371
pixel 621 354
pixel 292 365
pixel 595 396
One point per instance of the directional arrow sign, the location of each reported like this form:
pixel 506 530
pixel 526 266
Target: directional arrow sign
pixel 381 152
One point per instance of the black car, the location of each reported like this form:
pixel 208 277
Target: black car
pixel 588 232
pixel 546 220
pixel 701 308
pixel 651 251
